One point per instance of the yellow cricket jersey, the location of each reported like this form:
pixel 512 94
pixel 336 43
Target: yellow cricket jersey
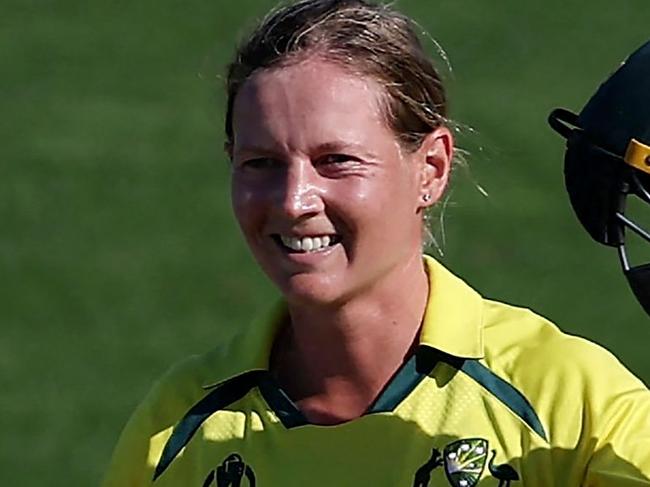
pixel 494 396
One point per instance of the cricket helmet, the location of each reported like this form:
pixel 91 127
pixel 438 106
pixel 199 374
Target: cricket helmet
pixel 607 159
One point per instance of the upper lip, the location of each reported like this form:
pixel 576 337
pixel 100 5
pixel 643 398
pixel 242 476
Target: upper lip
pixel 311 235
pixel 303 234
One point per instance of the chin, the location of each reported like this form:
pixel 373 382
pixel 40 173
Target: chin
pixel 310 290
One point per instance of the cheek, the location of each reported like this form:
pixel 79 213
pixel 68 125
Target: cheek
pixel 391 217
pixel 358 209
pixel 380 197
pixel 246 203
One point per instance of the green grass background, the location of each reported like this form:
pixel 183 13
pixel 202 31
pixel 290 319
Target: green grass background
pixel 118 252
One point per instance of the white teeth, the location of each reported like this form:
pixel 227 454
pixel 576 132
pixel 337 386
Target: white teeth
pixel 306 244
pixel 291 242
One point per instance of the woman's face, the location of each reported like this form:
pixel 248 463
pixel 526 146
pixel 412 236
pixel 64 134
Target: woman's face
pixel 327 200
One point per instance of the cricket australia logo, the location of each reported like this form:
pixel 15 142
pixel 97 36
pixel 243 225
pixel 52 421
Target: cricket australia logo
pixel 464 461
pixel 231 473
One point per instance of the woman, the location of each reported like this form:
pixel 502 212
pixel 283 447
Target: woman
pixel 379 367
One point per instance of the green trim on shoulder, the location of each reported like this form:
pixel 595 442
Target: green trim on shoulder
pixel 505 392
pixel 283 407
pixel 404 382
pixel 222 396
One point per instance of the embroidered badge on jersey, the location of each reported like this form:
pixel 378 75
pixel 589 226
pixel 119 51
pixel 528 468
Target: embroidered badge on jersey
pixel 464 461
pixel 231 473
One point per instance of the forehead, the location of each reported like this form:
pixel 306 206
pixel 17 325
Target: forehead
pixel 311 102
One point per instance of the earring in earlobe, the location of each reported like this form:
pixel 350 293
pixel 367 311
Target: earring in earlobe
pixel 426 198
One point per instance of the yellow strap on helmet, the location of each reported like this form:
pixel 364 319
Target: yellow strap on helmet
pixel 638 155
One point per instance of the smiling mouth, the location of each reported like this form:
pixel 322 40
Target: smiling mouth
pixel 306 244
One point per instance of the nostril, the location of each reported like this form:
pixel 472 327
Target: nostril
pixel 299 204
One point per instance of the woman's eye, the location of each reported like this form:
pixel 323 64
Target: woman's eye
pixel 261 163
pixel 336 159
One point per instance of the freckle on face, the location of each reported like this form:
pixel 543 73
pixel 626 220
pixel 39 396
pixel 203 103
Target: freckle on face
pixel 291 114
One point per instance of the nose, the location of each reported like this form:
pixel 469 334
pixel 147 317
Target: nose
pixel 301 192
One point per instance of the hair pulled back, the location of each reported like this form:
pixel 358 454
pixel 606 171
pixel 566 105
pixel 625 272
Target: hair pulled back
pixel 367 38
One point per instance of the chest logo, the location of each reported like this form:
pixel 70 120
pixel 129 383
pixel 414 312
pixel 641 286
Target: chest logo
pixel 231 473
pixel 463 462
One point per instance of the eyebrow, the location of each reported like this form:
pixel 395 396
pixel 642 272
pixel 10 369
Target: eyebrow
pixel 325 147
pixel 257 150
pixel 344 147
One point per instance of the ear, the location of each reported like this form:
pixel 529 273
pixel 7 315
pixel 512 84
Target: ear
pixel 434 157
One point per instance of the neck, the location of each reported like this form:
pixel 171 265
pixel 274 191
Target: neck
pixel 345 355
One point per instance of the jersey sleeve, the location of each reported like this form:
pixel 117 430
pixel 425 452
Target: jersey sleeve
pixel 621 455
pixel 133 460
pixel 141 443
pixel 596 412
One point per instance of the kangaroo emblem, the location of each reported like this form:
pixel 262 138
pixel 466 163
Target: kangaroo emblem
pixel 423 474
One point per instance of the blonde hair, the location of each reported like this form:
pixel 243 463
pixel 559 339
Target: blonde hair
pixel 367 38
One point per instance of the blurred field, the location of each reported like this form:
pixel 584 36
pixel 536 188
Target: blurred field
pixel 118 253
